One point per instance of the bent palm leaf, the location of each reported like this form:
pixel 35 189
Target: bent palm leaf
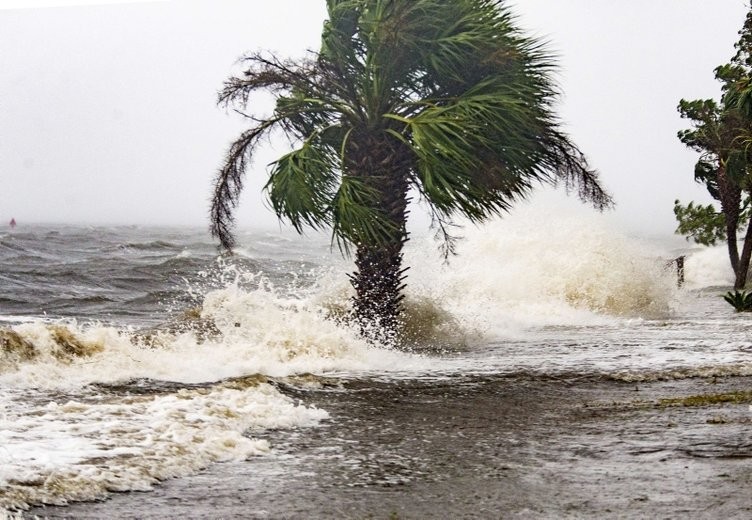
pixel 442 96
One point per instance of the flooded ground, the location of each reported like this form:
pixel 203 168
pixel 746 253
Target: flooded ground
pixel 482 447
pixel 555 373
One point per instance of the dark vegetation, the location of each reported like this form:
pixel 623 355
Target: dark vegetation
pixel 722 133
pixel 739 300
pixel 442 98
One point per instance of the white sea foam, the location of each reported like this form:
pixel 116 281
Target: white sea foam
pixel 512 280
pixel 708 267
pixel 534 269
pixel 54 452
pixel 531 292
pixel 79 448
pixel 260 334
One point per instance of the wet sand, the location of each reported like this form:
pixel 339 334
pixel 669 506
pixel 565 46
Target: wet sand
pixel 482 447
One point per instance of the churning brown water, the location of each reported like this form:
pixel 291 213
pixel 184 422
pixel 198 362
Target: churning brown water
pixel 556 376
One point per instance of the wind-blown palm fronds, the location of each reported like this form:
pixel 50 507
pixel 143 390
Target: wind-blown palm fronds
pixel 443 96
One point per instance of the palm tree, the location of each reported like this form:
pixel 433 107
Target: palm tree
pixel 445 97
pixel 716 136
pixel 722 134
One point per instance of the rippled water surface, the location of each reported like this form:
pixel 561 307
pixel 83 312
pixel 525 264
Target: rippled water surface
pixel 537 382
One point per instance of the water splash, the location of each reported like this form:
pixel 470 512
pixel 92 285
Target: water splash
pixel 535 293
pixel 535 269
pixel 707 267
pixel 86 446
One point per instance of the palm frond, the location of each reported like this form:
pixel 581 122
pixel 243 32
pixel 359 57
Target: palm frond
pixel 454 82
pixel 303 184
pixel 356 216
pixel 740 300
pixel 228 184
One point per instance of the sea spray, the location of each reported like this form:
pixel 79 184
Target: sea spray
pixel 708 267
pixel 535 269
pixel 519 274
pixel 533 295
pixel 526 270
pixel 66 436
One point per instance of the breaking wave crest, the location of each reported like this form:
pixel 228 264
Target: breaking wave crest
pixel 739 368
pixel 66 437
pixel 532 293
pixel 542 270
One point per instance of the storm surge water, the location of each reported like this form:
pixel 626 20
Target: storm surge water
pixel 134 355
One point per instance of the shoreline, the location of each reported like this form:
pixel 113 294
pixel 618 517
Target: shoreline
pixel 481 447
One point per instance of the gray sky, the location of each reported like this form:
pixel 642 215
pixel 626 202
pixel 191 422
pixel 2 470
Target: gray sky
pixel 108 115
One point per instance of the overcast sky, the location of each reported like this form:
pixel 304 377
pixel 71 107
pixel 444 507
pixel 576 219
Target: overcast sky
pixel 108 115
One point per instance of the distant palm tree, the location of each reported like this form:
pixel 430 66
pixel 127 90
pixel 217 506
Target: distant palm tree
pixel 722 134
pixel 443 96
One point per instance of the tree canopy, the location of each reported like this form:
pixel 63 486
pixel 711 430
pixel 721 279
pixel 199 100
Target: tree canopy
pixel 722 134
pixel 444 97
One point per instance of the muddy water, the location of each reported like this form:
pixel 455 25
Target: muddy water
pixel 545 359
pixel 482 447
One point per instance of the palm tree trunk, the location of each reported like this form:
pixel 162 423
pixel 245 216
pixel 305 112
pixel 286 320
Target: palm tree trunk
pixel 743 266
pixel 378 283
pixel 379 278
pixel 730 196
pixel 731 242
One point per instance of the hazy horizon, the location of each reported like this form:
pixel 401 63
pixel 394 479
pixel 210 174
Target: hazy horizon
pixel 109 113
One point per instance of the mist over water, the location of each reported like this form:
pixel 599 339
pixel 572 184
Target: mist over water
pixel 562 271
pixel 132 355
